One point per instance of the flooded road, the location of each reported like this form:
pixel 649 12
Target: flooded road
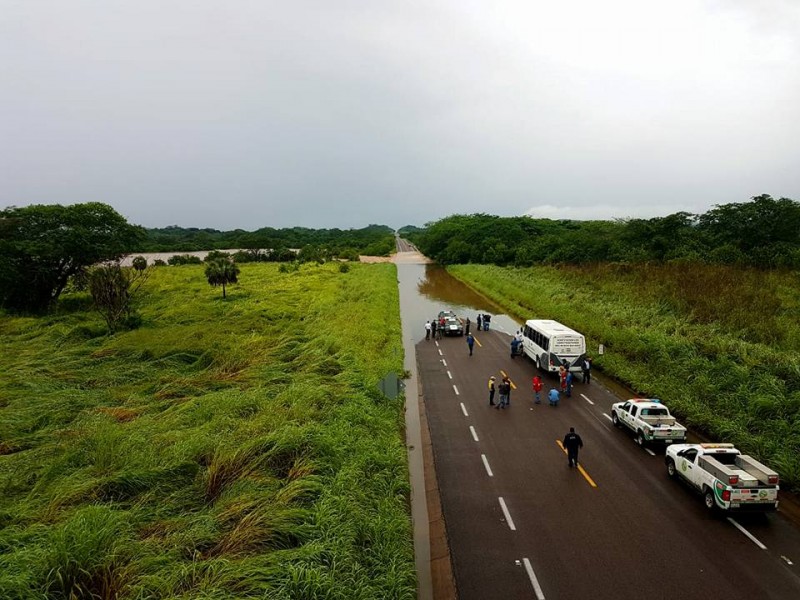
pixel 428 289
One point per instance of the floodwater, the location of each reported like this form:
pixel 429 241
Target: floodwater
pixel 426 289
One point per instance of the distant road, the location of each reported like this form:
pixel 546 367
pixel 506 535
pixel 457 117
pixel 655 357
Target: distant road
pixel 522 524
pixel 404 246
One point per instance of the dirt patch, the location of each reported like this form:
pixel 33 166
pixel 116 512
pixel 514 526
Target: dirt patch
pixel 374 259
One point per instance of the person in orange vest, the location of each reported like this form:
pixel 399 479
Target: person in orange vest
pixel 537 389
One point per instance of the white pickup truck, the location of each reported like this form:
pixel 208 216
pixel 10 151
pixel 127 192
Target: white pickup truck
pixel 649 420
pixel 728 479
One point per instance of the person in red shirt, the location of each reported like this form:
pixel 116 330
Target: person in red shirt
pixel 537 388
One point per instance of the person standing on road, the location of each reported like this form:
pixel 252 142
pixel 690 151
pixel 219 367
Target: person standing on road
pixel 480 321
pixel 470 342
pixel 492 388
pixel 514 347
pixel 562 376
pixel 586 367
pixel 467 327
pixel 433 328
pixel 440 329
pixel 570 380
pixel 572 442
pixel 537 388
pixel 553 397
pixel 505 391
pixel 427 330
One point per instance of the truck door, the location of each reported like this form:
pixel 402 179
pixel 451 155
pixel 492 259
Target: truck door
pixel 630 417
pixel 686 465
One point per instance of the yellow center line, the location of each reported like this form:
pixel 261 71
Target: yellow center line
pixel 477 342
pixel 505 375
pixel 580 468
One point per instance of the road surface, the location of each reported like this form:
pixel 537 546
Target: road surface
pixel 522 524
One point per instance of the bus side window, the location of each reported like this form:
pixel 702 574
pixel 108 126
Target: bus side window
pixel 546 343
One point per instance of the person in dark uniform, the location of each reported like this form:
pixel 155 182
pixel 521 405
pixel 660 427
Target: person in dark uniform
pixel 572 442
pixel 480 321
pixel 434 325
pixel 467 329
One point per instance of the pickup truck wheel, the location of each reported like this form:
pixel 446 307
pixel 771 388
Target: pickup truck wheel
pixel 708 498
pixel 614 419
pixel 640 438
pixel 671 468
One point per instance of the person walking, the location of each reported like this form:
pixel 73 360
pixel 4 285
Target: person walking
pixel 492 389
pixel 480 319
pixel 586 368
pixel 467 327
pixel 572 442
pixel 470 342
pixel 537 389
pixel 553 397
pixel 514 347
pixel 427 330
pixel 570 380
pixel 505 391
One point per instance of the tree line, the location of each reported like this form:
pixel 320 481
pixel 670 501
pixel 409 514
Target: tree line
pixel 762 233
pixel 377 240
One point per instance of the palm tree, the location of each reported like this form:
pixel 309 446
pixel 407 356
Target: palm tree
pixel 222 271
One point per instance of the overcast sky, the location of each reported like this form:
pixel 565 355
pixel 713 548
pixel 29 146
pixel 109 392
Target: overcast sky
pixel 244 114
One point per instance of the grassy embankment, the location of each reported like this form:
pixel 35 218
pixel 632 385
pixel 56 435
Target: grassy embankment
pixel 226 449
pixel 720 345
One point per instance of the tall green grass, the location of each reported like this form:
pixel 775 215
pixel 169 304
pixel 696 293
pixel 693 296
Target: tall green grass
pixel 231 448
pixel 721 345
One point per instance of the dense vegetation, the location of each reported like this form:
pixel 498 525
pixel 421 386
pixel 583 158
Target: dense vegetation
pixel 720 344
pixel 224 449
pixel 43 246
pixel 377 240
pixel 763 233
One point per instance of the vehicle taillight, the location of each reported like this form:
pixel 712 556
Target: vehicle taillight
pixel 733 479
pixel 726 496
pixel 772 480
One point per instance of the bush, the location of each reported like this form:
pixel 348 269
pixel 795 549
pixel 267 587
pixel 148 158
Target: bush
pixel 184 259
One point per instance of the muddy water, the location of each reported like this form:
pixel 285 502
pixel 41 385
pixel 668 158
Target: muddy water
pixel 427 289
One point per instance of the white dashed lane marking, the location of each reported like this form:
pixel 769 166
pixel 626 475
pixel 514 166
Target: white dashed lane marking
pixel 486 464
pixel 748 534
pixel 534 582
pixel 509 520
pixel 464 410
pixel 474 434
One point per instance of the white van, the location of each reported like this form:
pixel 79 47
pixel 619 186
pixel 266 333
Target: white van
pixel 550 344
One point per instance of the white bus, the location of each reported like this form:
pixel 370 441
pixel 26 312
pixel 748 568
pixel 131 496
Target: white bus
pixel 550 344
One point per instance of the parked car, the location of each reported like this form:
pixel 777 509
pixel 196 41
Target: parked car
pixel 453 326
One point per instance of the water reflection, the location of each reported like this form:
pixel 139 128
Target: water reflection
pixel 427 289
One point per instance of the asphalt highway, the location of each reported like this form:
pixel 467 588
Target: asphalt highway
pixel 522 524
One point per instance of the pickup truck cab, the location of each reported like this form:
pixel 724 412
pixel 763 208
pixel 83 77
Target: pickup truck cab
pixel 727 479
pixel 649 420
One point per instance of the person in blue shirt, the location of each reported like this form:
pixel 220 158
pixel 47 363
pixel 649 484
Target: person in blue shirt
pixel 553 396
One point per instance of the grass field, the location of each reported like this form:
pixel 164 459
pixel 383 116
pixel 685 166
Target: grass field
pixel 720 345
pixel 225 449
